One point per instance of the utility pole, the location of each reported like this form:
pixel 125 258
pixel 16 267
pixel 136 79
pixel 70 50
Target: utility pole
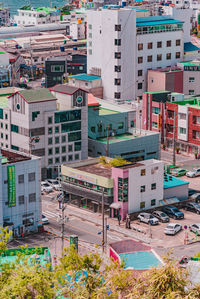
pixel 107 145
pixel 106 231
pixel 103 223
pixel 174 141
pixel 63 211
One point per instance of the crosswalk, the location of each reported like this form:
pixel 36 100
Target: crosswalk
pixel 50 215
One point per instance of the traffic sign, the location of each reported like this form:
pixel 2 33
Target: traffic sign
pixel 185 227
pixel 107 227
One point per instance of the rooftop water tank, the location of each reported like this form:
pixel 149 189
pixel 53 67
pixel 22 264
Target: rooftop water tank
pixel 62 49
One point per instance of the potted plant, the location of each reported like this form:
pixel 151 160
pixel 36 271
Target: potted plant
pixel 177 150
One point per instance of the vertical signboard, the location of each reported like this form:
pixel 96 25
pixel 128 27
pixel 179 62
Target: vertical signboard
pixel 159 121
pixel 11 186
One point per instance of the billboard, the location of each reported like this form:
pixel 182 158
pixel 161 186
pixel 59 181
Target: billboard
pixel 11 186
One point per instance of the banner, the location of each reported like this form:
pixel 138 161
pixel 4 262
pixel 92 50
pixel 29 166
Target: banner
pixel 11 186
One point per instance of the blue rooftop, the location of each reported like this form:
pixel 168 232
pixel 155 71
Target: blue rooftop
pixel 171 182
pixel 86 77
pixel 153 21
pixel 189 47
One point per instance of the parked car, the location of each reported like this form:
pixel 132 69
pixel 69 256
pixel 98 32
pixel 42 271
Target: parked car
pixel 193 173
pixel 161 216
pixel 45 187
pixel 195 228
pixel 148 218
pixel 55 184
pixel 45 220
pixel 195 196
pixel 172 229
pixel 173 212
pixel 178 172
pixel 193 207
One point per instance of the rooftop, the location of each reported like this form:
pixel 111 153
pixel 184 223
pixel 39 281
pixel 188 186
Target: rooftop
pixel 85 77
pixel 189 47
pixel 9 156
pixel 65 88
pixel 157 92
pixel 156 20
pixel 170 182
pixel 36 95
pixel 3 101
pixel 193 103
pixel 92 100
pixel 118 138
pixel 127 166
pixel 105 111
pixel 98 169
pixel 190 63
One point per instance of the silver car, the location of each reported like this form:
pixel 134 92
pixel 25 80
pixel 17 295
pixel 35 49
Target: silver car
pixel 148 218
pixel 195 228
pixel 45 187
pixel 172 228
pixel 193 173
pixel 54 183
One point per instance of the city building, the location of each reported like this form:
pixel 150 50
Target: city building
pixel 76 30
pixel 52 126
pixel 191 76
pixel 20 192
pixel 55 71
pixel 77 63
pixel 156 42
pixel 128 188
pixel 4 16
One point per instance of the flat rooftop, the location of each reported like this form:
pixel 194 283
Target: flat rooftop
pixel 12 157
pixel 85 77
pixel 3 101
pixel 118 138
pixel 191 63
pixel 105 111
pixel 156 20
pixel 98 169
pixel 131 165
pixel 189 47
pixel 171 182
pixel 193 103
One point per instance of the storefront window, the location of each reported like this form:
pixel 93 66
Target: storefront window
pixel 123 189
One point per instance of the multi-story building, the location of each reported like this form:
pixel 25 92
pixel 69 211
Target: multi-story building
pixel 154 42
pixel 4 17
pixel 191 76
pixel 77 63
pixel 20 194
pixel 52 126
pixel 55 70
pixel 127 188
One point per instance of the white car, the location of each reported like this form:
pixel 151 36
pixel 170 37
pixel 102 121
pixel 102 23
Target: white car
pixel 195 228
pixel 45 220
pixel 193 173
pixel 45 187
pixel 172 228
pixel 54 183
pixel 148 218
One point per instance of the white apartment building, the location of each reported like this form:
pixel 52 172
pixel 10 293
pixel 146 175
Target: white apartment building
pixel 20 192
pixel 46 125
pixel 121 48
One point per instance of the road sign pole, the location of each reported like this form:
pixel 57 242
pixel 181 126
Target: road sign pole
pixel 106 234
pixel 103 224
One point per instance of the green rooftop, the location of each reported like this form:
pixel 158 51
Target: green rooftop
pixel 3 101
pixel 190 63
pixel 156 92
pixel 2 52
pixel 104 111
pixel 118 138
pixel 193 103
pixel 38 95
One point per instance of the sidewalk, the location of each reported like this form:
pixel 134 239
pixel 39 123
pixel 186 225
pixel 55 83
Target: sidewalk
pixel 96 218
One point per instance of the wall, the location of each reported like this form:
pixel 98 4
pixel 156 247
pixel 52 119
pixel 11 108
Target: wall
pixel 191 85
pixel 155 81
pixel 181 192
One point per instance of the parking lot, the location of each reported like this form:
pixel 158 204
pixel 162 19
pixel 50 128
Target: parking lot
pixel 157 232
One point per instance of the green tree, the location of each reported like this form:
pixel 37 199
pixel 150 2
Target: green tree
pixel 5 236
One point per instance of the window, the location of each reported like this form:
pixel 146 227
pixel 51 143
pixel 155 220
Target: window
pixel 120 125
pixel 63 139
pixel 123 189
pixel 149 58
pixel 1 113
pixel 68 127
pixel 142 188
pixel 154 125
pixel 191 79
pixel 21 200
pixel 139 73
pixel 21 179
pixel 153 202
pixel 57 150
pixel 77 146
pixel 6 116
pixel 140 47
pixel 50 141
pixel 178 42
pixel 117 55
pixel 159 44
pixel 142 205
pixel 14 128
pixel 32 197
pixel 150 45
pixel 155 110
pixel 57 68
pixel 182 130
pixel 76 156
pixel 139 85
pixel 153 186
pixel 56 129
pixel 70 148
pixel 2 126
pixel 50 161
pixel 140 59
pixel 90 26
pixel 57 160
pixel 168 56
pixel 191 91
pixel 178 54
pixel 31 177
pixel 195 134
pixel 6 137
pixel 34 115
pixel 159 57
pixel 70 158
pixel 57 140
pixel 93 129
pixel 90 50
pixel 168 43
pixel 117 27
pixel 196 119
pixel 6 127
pixel 74 136
pixel 64 159
pixel 143 172
pixel 50 120
pixel 117 95
pixel 117 42
pixel 182 116
pixel 117 81
pixel 65 116
pixel 132 124
pixel 118 68
pixel 50 130
pixel 50 151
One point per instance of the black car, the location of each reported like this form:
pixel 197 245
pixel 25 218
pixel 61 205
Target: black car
pixel 161 216
pixel 193 207
pixel 173 212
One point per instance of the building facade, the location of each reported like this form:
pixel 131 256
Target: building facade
pixel 55 70
pixel 191 76
pixel 20 194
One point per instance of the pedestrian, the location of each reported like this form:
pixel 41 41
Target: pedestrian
pixel 119 218
pixel 128 221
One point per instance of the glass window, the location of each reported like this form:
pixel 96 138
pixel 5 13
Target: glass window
pixel 93 129
pixel 140 59
pixel 118 68
pixel 117 55
pixel 70 158
pixel 117 95
pixel 70 148
pixel 77 146
pixel 6 116
pixel 139 73
pixel 63 158
pixel 57 139
pixel 149 58
pixel 14 128
pixel 1 135
pixel 142 188
pixel 191 79
pixel 6 127
pixel 49 120
pixel 155 110
pixel 191 91
pixel 68 127
pixel 6 137
pixel 178 42
pixel 142 205
pixel 159 57
pixel 140 47
pixel 143 172
pixel 57 150
pixel 76 156
pixel 159 44
pixel 168 56
pixel 21 200
pixel 63 149
pixel 50 141
pixel 139 85
pixel 32 197
pixel 178 54
pixel 150 46
pixel 153 186
pixel 63 139
pixel 31 177
pixel 117 81
pixel 117 27
pixel 154 124
pixel 50 130
pixel 74 136
pixel 57 160
pixel 34 115
pixel 117 42
pixel 50 161
pixel 1 113
pixel 120 125
pixel 153 202
pixel 2 126
pixel 66 116
pixel 182 130
pixel 168 43
pixel 57 129
pixel 50 151
pixel 21 179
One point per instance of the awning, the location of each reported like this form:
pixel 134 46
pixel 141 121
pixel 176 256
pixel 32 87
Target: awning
pixel 115 205
pixel 169 201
